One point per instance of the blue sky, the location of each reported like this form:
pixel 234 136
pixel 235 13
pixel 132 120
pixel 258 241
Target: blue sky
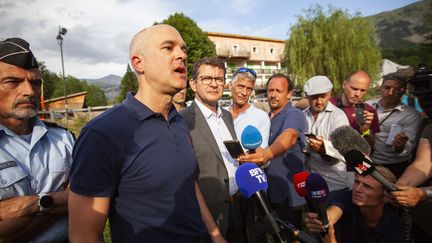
pixel 99 31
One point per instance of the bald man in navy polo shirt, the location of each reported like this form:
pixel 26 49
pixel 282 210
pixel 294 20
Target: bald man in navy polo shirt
pixel 135 163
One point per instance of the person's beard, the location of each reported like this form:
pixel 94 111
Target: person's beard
pixel 24 112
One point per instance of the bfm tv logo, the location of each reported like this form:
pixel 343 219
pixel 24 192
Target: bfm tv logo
pixel 258 174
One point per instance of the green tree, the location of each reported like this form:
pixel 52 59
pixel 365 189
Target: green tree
pixel 332 44
pixel 196 39
pixel 128 83
pixel 49 80
pixel 95 95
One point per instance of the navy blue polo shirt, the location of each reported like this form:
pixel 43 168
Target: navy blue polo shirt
pixel 147 166
pixel 351 228
pixel 281 170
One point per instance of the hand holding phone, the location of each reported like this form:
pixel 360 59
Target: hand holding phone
pixel 310 135
pixel 234 148
pixel 359 109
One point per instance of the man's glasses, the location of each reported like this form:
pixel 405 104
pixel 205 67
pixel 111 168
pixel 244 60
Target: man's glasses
pixel 208 80
pixel 245 70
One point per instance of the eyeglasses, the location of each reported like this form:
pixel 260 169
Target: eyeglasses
pixel 245 70
pixel 208 80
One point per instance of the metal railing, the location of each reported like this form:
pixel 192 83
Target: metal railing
pixel 59 114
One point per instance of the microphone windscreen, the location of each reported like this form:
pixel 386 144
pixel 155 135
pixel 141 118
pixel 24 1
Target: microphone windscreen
pixel 250 179
pixel 359 162
pixel 300 183
pixel 345 138
pixel 251 138
pixel 316 188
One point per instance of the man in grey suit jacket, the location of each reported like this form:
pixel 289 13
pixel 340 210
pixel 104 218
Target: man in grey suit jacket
pixel 209 126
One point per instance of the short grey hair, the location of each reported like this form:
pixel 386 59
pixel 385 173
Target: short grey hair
pixel 247 75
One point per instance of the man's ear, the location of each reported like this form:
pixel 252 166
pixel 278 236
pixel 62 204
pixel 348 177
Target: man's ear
pixel 137 63
pixel 230 85
pixel 345 82
pixel 289 94
pixel 192 84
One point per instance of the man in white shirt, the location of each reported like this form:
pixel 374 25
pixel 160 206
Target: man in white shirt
pixel 323 118
pixel 243 113
pixel 210 125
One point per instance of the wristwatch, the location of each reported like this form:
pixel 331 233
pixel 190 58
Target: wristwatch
pixel 45 202
pixel 428 191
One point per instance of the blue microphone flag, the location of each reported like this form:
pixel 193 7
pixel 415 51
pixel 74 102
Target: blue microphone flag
pixel 251 138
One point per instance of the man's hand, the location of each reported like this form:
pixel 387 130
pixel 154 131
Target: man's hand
pixel 368 118
pixel 316 144
pixel 408 195
pixel 261 156
pixel 400 141
pixel 313 224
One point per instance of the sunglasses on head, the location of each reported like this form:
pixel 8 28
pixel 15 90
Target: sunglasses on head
pixel 245 70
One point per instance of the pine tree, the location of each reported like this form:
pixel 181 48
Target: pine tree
pixel 128 83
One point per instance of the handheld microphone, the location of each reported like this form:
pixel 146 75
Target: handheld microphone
pixel 318 194
pixel 299 180
pixel 252 182
pixel 362 165
pixel 251 138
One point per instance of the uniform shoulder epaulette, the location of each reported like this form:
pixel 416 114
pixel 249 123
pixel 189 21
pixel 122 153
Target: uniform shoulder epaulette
pixel 56 125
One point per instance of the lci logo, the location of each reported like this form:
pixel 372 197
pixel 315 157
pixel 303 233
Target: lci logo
pixel 258 174
pixel 319 194
pixel 301 184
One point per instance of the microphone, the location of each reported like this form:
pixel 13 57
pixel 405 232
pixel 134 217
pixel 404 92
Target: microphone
pixel 299 180
pixel 251 138
pixel 252 182
pixel 362 165
pixel 318 194
pixel 345 138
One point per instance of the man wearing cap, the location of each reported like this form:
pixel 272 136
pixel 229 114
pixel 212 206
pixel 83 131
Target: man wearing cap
pixel 322 119
pixel 34 157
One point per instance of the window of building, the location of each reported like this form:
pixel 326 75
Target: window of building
pixel 271 50
pixel 235 47
pixel 254 49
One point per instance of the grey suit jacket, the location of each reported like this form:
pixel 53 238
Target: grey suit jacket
pixel 213 176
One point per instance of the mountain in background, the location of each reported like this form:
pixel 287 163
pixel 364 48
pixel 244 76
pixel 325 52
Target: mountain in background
pixel 110 85
pixel 107 80
pixel 403 27
pixel 401 33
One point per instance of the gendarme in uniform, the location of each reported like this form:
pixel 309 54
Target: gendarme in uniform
pixel 33 163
